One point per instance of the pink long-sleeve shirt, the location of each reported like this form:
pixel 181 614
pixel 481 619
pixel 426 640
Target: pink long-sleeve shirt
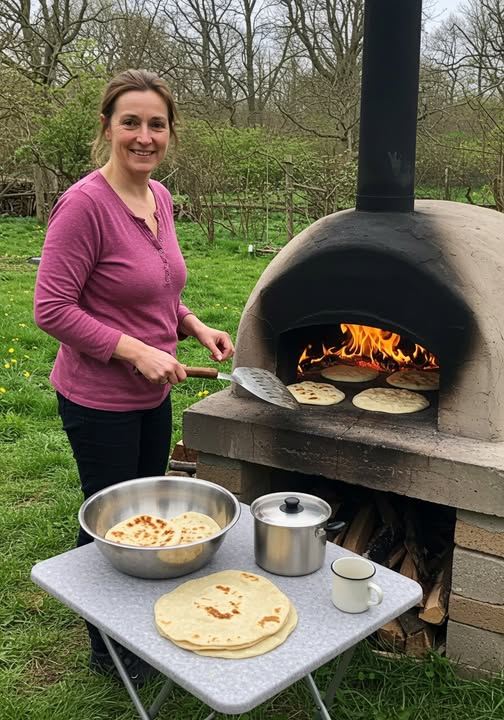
pixel 103 274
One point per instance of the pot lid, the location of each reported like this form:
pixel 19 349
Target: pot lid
pixel 291 509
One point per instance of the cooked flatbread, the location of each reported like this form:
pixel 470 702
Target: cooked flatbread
pixel 412 379
pixel 258 648
pixel 145 531
pixel 227 609
pixel 312 393
pixel 388 400
pixel 349 373
pixel 195 526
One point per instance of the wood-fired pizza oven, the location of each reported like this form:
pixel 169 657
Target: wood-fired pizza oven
pixel 430 272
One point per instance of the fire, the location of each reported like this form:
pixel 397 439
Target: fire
pixel 370 347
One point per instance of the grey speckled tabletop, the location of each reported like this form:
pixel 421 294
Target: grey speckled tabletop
pixel 122 607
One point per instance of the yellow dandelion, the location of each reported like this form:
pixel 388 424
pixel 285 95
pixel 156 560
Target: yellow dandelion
pixel 200 394
pixel 6 366
pixel 2 390
pixel 205 393
pixel 13 361
pixel 26 374
pixel 11 350
pixel 22 325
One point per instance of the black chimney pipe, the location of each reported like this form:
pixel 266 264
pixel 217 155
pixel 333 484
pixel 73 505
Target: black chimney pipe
pixel 389 99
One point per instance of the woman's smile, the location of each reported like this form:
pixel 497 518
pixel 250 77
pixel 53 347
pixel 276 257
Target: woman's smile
pixel 138 131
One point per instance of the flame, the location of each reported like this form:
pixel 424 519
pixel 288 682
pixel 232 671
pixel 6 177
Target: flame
pixel 370 347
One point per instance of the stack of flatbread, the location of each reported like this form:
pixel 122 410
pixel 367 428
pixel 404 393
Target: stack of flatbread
pixel 230 614
pixel 151 531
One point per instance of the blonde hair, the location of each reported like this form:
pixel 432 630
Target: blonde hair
pixel 124 82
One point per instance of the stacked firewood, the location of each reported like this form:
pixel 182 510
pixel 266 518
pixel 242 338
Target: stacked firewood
pixel 409 536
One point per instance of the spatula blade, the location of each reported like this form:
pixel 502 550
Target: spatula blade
pixel 265 385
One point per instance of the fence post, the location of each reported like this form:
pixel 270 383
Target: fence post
pixel 447 189
pixel 289 206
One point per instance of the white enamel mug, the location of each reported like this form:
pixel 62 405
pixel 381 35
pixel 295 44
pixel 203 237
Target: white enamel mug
pixel 352 589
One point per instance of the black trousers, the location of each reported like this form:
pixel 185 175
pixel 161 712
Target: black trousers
pixel 110 447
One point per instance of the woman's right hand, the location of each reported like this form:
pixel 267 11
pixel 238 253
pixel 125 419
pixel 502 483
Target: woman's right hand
pixel 159 367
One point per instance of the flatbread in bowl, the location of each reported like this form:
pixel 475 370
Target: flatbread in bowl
pixel 195 526
pixel 145 531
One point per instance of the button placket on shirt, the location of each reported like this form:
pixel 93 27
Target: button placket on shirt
pixel 156 241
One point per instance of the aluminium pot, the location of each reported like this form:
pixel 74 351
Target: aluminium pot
pixel 290 532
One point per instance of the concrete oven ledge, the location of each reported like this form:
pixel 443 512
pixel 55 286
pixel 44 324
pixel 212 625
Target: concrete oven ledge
pixel 405 455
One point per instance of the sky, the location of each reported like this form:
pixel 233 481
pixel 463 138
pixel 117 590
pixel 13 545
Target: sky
pixel 445 7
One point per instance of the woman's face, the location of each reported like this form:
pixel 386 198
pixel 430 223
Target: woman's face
pixel 138 131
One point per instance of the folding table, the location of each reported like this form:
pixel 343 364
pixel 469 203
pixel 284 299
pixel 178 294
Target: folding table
pixel 122 608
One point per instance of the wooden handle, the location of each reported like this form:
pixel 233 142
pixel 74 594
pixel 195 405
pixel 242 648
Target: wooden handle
pixel 201 372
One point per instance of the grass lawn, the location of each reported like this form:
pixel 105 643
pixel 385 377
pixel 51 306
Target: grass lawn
pixel 43 652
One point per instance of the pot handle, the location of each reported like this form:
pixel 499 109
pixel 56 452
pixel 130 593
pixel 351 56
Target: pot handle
pixel 336 525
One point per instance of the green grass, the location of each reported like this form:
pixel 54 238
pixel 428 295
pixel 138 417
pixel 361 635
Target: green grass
pixel 43 651
pixel 480 195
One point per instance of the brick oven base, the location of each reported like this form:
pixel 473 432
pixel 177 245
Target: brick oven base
pixel 239 440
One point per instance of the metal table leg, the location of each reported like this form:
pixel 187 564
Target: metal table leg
pixel 154 709
pixel 323 702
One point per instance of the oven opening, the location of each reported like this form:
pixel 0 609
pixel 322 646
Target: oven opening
pixel 314 352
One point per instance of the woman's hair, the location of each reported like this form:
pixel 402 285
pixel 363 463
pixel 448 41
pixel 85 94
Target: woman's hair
pixel 124 82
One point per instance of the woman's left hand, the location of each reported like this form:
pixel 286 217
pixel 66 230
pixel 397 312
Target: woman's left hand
pixel 217 341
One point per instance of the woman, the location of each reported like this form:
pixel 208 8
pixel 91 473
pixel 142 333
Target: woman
pixel 108 288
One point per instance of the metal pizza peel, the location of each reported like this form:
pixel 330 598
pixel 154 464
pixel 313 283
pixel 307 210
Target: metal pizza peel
pixel 261 383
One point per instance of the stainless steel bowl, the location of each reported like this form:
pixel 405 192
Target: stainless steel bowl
pixel 164 497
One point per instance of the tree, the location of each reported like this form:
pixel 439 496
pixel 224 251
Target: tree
pixel 329 36
pixel 37 42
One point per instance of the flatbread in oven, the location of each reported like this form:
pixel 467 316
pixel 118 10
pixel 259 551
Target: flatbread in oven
pixel 312 393
pixel 349 373
pixel 412 379
pixel 145 531
pixel 389 400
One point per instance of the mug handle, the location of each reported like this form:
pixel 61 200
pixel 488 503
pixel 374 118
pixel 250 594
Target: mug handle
pixel 378 591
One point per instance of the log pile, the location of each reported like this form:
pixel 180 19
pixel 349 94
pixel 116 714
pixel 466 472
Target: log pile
pixel 17 198
pixel 413 538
